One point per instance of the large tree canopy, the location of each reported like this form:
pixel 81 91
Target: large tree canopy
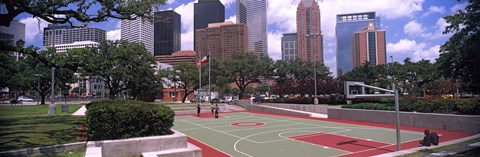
pixel 64 11
pixel 460 55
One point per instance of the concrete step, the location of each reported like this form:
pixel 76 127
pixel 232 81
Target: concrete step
pixel 190 151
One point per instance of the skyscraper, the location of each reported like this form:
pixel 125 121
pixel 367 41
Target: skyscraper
pixel 12 34
pixel 310 38
pixel 347 25
pixel 167 32
pixel 138 30
pixel 205 12
pixel 65 34
pixel 369 46
pixel 221 40
pixel 254 14
pixel 289 47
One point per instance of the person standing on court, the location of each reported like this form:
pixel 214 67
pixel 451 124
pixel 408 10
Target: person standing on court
pixel 212 107
pixel 198 110
pixel 216 111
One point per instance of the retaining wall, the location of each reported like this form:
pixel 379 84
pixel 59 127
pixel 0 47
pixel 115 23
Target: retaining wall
pixel 463 123
pixel 246 105
pixel 44 150
pixel 323 109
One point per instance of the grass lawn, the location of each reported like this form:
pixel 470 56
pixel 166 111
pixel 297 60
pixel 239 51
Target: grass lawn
pixel 35 131
pixel 444 148
pixel 74 153
pixel 33 110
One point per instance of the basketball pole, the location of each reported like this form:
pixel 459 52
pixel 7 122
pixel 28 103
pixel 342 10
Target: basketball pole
pixel 397 114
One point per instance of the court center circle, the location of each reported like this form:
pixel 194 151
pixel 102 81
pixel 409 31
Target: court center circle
pixel 247 124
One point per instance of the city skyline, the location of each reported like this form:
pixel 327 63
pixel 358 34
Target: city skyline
pixel 254 14
pixel 414 27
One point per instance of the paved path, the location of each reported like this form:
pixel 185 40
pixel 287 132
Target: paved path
pixel 81 111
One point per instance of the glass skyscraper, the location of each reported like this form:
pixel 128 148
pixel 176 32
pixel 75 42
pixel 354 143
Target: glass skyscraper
pixel 254 14
pixel 347 25
pixel 289 47
pixel 167 33
pixel 205 12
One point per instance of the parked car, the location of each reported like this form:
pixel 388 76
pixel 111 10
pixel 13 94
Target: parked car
pixel 215 100
pixel 259 99
pixel 24 99
pixel 194 100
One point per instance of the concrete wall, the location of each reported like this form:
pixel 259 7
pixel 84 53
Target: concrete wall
pixel 323 109
pixel 246 104
pixel 137 146
pixel 463 123
pixel 44 150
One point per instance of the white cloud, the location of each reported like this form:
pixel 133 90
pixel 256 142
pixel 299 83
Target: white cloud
pixel 434 9
pixel 413 28
pixel 227 3
pixel 186 11
pixel 459 6
pixel 274 45
pixel 428 54
pixel 170 1
pixel 34 29
pixel 113 34
pixel 232 18
pixel 417 51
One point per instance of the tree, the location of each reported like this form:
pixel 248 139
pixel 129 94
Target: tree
pixel 185 75
pixel 460 56
pixel 245 68
pixel 68 11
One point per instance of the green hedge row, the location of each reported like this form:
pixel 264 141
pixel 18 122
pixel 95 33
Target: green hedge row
pixel 120 119
pixel 446 106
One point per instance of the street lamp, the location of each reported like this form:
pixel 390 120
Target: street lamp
pixel 38 87
pixel 308 36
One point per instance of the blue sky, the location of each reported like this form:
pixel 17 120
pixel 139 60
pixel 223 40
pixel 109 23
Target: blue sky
pixel 414 27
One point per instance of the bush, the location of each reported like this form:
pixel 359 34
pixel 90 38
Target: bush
pixel 445 106
pixel 333 100
pixel 119 119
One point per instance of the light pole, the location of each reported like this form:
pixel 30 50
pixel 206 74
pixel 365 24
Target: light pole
pixel 38 87
pixel 52 108
pixel 308 36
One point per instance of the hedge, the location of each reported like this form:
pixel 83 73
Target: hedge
pixel 120 119
pixel 446 106
pixel 333 100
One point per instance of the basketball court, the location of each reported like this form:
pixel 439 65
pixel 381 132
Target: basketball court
pixel 248 134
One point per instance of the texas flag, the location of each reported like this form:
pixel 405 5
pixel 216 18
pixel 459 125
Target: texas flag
pixel 203 60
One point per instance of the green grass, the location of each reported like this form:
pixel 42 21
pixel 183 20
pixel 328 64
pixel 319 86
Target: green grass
pixel 73 153
pixel 444 148
pixel 35 110
pixel 36 131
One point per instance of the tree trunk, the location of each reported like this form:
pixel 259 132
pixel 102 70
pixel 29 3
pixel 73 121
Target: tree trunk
pixel 242 92
pixel 43 99
pixel 111 96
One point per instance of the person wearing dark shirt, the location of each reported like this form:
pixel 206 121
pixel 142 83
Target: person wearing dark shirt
pixel 430 138
pixel 198 110
pixel 216 111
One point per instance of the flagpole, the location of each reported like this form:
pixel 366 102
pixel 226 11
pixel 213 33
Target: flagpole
pixel 199 78
pixel 209 65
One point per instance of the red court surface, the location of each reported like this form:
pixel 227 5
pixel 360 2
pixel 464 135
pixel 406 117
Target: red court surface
pixel 339 142
pixel 356 147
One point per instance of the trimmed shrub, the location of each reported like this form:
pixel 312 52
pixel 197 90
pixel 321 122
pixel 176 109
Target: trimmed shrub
pixel 120 119
pixel 333 100
pixel 371 106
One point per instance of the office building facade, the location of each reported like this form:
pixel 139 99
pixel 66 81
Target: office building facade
pixel 253 13
pixel 138 30
pixel 177 57
pixel 205 12
pixel 289 47
pixel 56 34
pixel 347 25
pixel 309 32
pixel 167 28
pixel 222 40
pixel 76 45
pixel 12 34
pixel 369 46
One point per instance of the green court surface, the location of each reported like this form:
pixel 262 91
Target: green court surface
pixel 249 134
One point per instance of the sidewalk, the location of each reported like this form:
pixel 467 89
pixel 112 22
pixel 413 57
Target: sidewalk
pixel 81 111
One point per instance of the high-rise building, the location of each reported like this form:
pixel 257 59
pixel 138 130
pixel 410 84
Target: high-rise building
pixel 310 38
pixel 167 28
pixel 178 57
pixel 12 34
pixel 138 30
pixel 254 14
pixel 369 46
pixel 75 45
pixel 289 47
pixel 347 25
pixel 205 12
pixel 222 40
pixel 56 34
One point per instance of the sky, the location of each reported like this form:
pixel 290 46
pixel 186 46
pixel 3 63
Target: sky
pixel 413 27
